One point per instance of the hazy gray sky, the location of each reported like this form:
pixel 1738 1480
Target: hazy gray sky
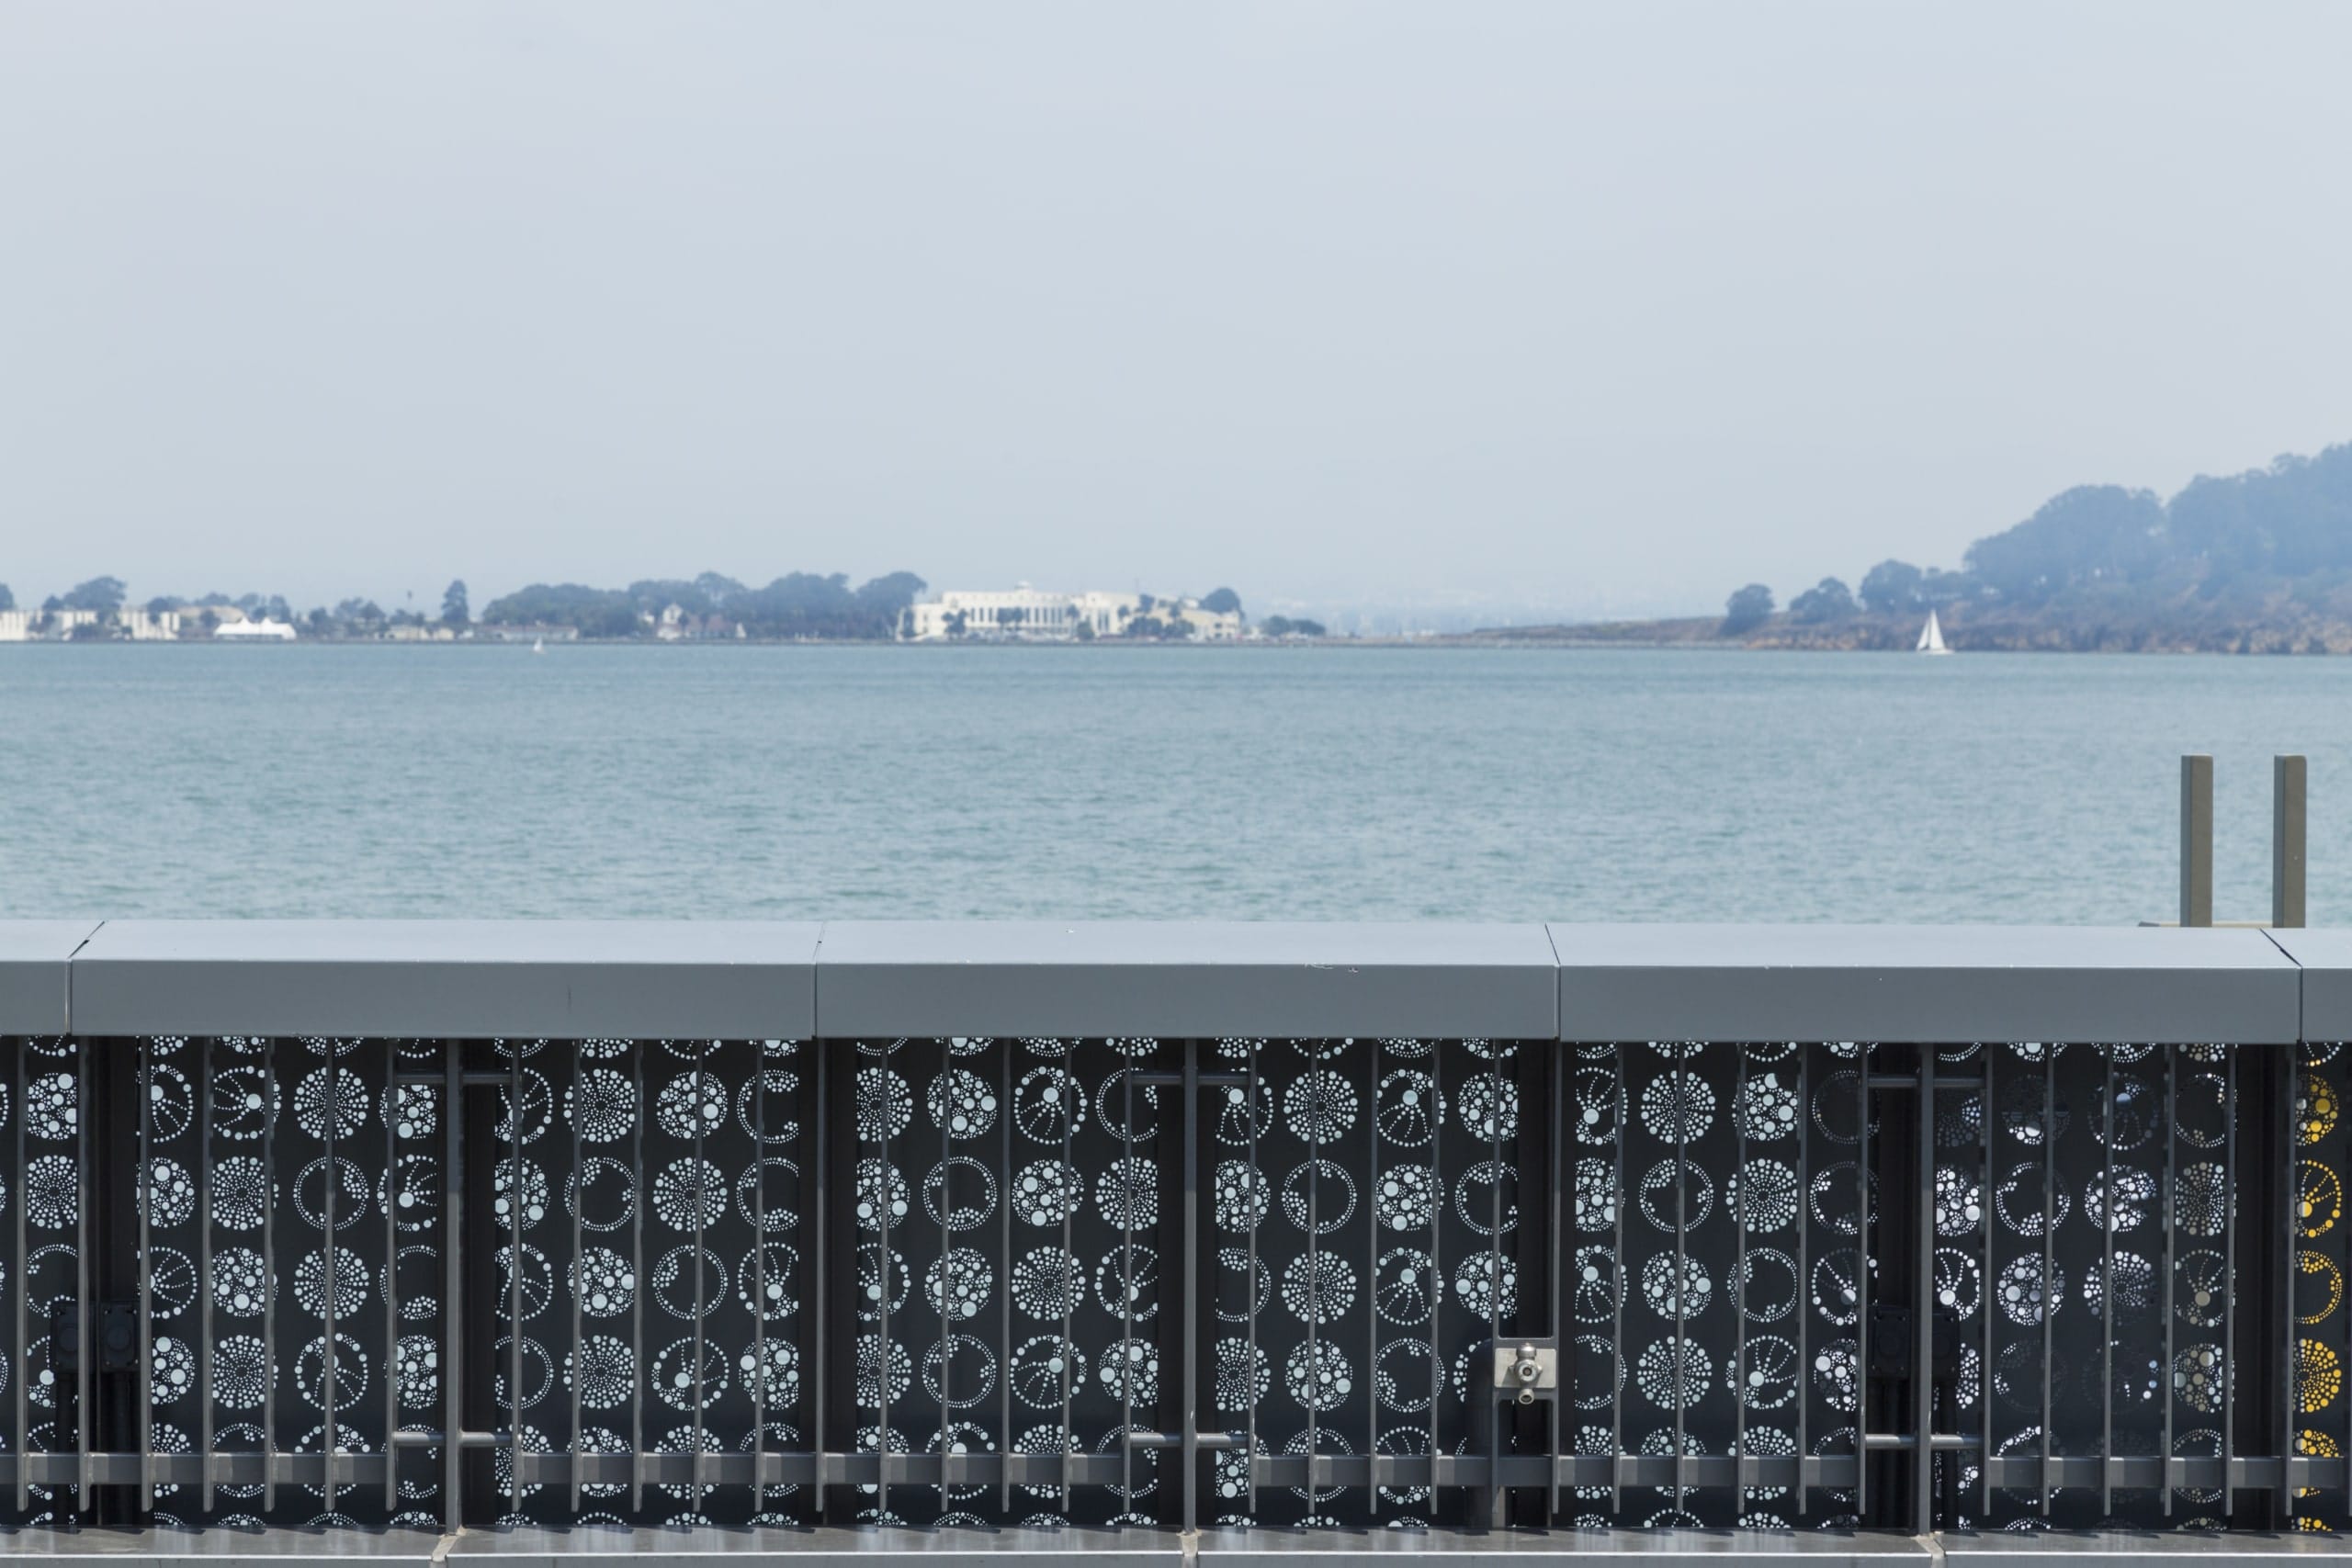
pixel 1592 306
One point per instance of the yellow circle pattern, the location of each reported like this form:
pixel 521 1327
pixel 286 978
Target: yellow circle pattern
pixel 2316 1108
pixel 2321 1201
pixel 2318 1376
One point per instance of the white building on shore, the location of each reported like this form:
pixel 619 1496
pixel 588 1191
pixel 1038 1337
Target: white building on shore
pixel 1032 614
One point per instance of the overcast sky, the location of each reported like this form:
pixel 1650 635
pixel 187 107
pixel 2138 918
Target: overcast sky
pixel 1598 306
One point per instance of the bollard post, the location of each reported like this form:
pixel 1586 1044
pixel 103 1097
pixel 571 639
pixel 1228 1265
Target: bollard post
pixel 2197 841
pixel 2288 778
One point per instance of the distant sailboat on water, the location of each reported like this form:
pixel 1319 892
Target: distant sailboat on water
pixel 1931 637
pixel 540 645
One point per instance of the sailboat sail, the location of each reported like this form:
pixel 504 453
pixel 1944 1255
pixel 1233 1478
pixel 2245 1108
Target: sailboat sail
pixel 1931 637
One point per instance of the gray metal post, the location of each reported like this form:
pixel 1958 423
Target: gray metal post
pixel 2197 841
pixel 2288 776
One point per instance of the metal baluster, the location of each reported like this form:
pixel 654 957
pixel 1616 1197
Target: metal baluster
pixel 1617 1285
pixel 2230 1283
pixel 2172 1256
pixel 1862 1281
pixel 820 1157
pixel 146 1405
pixel 1372 1291
pixel 1075 1099
pixel 2290 1142
pixel 1437 1275
pixel 269 1274
pixel 1314 1217
pixel 947 1245
pixel 1004 1297
pixel 515 1277
pixel 328 1364
pixel 2106 1302
pixel 1681 1258
pixel 1805 1229
pixel 453 1321
pixel 1563 1174
pixel 397 1092
pixel 1257 1195
pixel 882 1345
pixel 1497 1497
pixel 24 1294
pixel 1984 1302
pixel 759 1279
pixel 1739 1302
pixel 1923 1387
pixel 579 1270
pixel 637 1297
pixel 204 1258
pixel 2049 1255
pixel 702 1079
pixel 1190 1454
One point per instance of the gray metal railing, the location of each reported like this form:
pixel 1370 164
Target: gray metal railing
pixel 2048 1204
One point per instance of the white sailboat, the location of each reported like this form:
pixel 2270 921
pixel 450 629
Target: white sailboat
pixel 540 645
pixel 1931 637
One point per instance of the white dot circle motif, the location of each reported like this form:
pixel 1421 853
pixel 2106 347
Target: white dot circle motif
pixel 876 1366
pixel 1767 1378
pixel 1658 1197
pixel 1593 1196
pixel 1598 1104
pixel 1128 1194
pixel 418 1371
pixel 1319 1196
pixel 871 1279
pixel 530 1118
pixel 1673 1372
pixel 1127 1281
pixel 1678 1106
pixel 602 1194
pixel 2021 1291
pixel 672 1374
pixel 2135 1286
pixel 351 1280
pixel 1836 1286
pixel 53 1191
pixel 1835 1195
pixel 1403 1201
pixel 2135 1195
pixel 601 1104
pixel 1042 1367
pixel 779 1089
pixel 886 1106
pixel 1487 1284
pixel 1838 1373
pixel 173 1362
pixel 1042 1103
pixel 1960 1202
pixel 1667 1299
pixel 959 1371
pixel 1046 1192
pixel 50 1101
pixel 1124 1111
pixel 411 1110
pixel 1130 1371
pixel 1757 1266
pixel 1767 1109
pixel 1410 1109
pixel 331 1087
pixel 1044 1284
pixel 961 1103
pixel 1045 1439
pixel 171 1103
pixel 1244 1373
pixel 537 1368
pixel 2202 1200
pixel 409 1192
pixel 689 1190
pixel 605 1282
pixel 242 1374
pixel 1762 1195
pixel 771 1371
pixel 1489 1106
pixel 241 1193
pixel 1487 1198
pixel 1595 1294
pixel 879 1195
pixel 349 1366
pixel 1401 1376
pixel 958 1284
pixel 763 1281
pixel 1318 1288
pixel 692 1104
pixel 1958 1280
pixel 167 1192
pixel 1404 1286
pixel 973 1188
pixel 1238 1195
pixel 1318 1375
pixel 2018 1201
pixel 1608 1378
pixel 686 1276
pixel 523 1185
pixel 1320 1106
pixel 770 1216
pixel 2197 1377
pixel 237 1288
pixel 601 1440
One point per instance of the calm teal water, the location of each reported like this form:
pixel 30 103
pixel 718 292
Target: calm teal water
pixel 1159 783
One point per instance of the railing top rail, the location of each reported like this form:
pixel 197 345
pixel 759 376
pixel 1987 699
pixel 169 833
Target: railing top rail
pixel 35 973
pixel 767 979
pixel 1927 983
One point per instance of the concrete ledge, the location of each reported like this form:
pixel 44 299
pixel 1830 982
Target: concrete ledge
pixel 35 973
pixel 2326 958
pixel 888 978
pixel 809 1549
pixel 1925 983
pixel 213 1548
pixel 2090 1548
pixel 448 978
pixel 1590 1549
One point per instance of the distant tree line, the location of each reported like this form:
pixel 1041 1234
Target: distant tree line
pixel 797 605
pixel 2287 525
